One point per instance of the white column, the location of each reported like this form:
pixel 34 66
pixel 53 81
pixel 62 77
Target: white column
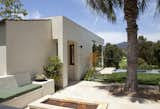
pixel 3 61
pixel 62 54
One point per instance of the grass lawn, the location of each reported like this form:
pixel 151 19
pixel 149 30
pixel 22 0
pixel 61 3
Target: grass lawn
pixel 143 78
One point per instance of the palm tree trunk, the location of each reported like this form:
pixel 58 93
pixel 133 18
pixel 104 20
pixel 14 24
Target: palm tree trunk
pixel 131 13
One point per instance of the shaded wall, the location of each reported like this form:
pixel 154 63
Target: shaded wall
pixel 29 44
pixel 65 30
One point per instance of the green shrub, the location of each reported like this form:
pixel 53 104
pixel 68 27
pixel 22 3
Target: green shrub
pixel 123 63
pixel 111 78
pixel 53 68
pixel 148 67
pixel 143 78
pixel 89 74
pixel 142 64
pixel 148 79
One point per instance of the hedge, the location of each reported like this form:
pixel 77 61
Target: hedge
pixel 143 78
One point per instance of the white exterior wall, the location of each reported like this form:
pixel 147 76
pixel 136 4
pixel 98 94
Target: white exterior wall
pixel 3 64
pixel 29 44
pixel 78 34
pixel 3 69
pixel 65 30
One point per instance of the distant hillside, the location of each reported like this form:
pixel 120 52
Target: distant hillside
pixel 122 45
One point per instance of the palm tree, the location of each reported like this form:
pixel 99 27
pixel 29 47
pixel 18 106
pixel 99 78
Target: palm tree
pixel 132 9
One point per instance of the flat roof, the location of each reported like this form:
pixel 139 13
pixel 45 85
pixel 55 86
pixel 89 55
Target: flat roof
pixel 2 21
pixel 50 18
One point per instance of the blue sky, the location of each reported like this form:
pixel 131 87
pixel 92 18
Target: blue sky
pixel 77 11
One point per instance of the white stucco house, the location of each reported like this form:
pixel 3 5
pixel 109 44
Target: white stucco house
pixel 25 46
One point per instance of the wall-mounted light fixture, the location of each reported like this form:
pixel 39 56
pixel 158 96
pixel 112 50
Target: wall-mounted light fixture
pixel 80 46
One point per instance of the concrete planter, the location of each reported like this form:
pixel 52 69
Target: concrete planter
pixel 40 105
pixel 48 87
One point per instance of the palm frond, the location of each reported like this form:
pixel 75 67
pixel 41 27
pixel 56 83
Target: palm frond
pixel 142 5
pixel 158 6
pixel 106 7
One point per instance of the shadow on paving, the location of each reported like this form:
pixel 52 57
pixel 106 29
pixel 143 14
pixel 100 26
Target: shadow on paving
pixel 141 96
pixel 7 107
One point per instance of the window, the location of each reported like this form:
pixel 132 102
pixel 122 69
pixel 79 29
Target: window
pixel 71 54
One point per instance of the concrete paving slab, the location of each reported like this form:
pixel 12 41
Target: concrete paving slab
pixel 133 106
pixel 107 70
pixel 97 92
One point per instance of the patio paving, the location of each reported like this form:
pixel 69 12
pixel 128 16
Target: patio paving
pixel 97 92
pixel 7 107
pixel 107 70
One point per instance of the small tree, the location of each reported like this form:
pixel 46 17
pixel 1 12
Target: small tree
pixel 112 56
pixel 12 9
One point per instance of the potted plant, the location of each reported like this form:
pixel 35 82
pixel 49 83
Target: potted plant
pixel 53 69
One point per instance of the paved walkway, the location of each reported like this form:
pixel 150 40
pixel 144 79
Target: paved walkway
pixel 107 70
pixel 97 92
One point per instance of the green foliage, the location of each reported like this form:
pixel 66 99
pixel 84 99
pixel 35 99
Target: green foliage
pixel 97 49
pixel 149 55
pixel 145 66
pixel 105 8
pixel 89 74
pixel 111 78
pixel 112 56
pixel 141 61
pixel 149 52
pixel 123 63
pixel 108 8
pixel 53 68
pixel 157 53
pixel 143 78
pixel 12 9
pixel 131 9
pixel 142 64
pixel 146 51
pixel 148 79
